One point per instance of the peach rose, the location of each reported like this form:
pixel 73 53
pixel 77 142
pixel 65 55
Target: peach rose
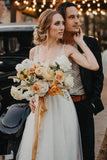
pixel 36 66
pixel 39 71
pixel 32 71
pixel 36 88
pixel 59 76
pixel 54 90
pixel 48 74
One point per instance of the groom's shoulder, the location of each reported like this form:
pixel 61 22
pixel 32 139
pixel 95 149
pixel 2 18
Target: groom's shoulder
pixel 90 39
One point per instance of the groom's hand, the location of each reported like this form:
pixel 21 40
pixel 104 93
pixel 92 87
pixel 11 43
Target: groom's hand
pixel 32 104
pixel 78 37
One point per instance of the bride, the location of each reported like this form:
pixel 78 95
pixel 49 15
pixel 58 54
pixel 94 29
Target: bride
pixel 59 135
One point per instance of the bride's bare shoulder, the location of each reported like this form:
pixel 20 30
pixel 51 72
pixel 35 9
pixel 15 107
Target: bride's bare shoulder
pixel 32 52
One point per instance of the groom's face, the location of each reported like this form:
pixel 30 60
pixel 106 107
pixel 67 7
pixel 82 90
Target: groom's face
pixel 72 22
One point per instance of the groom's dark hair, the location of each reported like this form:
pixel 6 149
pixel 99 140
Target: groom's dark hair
pixel 62 8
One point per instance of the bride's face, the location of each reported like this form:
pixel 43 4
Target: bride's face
pixel 57 27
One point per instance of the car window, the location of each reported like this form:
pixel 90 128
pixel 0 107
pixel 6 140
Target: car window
pixel 1 45
pixel 13 44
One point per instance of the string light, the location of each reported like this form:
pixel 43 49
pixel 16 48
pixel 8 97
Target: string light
pixel 83 2
pixel 98 9
pixel 94 1
pixel 78 5
pixel 95 6
pixel 51 6
pixel 54 1
pixel 44 2
pixel 89 9
pixel 73 2
pixel 102 12
pixel 17 3
pixel 30 8
pixel 42 6
pixel 34 2
pixel 87 13
pixel 94 12
pixel 81 9
pixel 80 13
pixel 25 2
pixel 34 9
pixel 40 10
pixel 88 4
pixel 27 8
pixel 98 5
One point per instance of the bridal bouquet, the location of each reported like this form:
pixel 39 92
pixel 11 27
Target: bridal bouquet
pixel 42 79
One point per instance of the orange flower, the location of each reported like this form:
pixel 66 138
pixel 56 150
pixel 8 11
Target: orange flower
pixel 59 76
pixel 32 71
pixel 54 90
pixel 36 88
pixel 25 76
pixel 36 66
pixel 22 76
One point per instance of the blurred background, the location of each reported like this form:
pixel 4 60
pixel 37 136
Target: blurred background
pixel 93 14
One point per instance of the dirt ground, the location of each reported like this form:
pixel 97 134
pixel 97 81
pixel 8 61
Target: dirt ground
pixel 100 128
pixel 103 150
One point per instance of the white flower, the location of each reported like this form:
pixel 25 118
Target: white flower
pixel 48 74
pixel 16 80
pixel 65 94
pixel 64 63
pixel 69 81
pixel 23 83
pixel 16 94
pixel 44 88
pixel 39 71
pixel 19 67
pixel 28 95
pixel 27 63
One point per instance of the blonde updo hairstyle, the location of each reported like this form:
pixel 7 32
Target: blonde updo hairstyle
pixel 45 21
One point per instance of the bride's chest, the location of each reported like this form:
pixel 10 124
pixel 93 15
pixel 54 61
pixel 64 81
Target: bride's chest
pixel 48 56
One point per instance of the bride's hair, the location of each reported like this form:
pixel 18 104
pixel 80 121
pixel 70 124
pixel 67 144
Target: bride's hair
pixel 44 23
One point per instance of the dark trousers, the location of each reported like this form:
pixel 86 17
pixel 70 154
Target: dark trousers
pixel 86 122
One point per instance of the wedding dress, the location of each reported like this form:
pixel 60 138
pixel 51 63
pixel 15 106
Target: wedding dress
pixel 59 134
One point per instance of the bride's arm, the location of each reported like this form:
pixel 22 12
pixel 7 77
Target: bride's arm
pixel 31 54
pixel 86 60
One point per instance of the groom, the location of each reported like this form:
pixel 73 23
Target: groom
pixel 88 84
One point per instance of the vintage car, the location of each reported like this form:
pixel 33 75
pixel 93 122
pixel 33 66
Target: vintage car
pixel 15 42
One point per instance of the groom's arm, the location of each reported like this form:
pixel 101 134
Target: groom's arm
pixel 98 78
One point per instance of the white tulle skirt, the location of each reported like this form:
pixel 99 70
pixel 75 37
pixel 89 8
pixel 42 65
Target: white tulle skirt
pixel 59 135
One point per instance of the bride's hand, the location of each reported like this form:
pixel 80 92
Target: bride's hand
pixel 78 37
pixel 32 105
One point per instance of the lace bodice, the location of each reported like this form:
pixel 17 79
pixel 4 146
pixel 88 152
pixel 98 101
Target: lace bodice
pixel 37 59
